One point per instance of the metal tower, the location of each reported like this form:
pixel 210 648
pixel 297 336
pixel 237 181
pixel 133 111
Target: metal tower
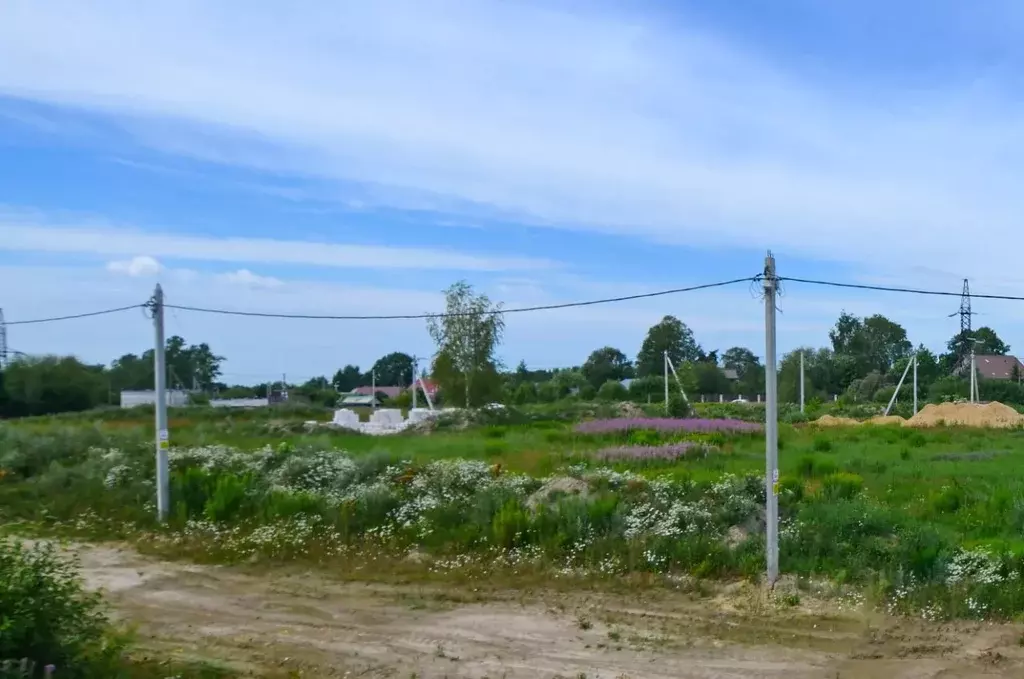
pixel 3 341
pixel 965 313
pixel 965 310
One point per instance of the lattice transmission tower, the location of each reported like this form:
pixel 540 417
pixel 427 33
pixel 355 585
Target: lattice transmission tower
pixel 963 348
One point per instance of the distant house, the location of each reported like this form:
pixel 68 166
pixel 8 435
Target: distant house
pixel 999 367
pixel 731 374
pixel 239 402
pixel 390 392
pixel 175 398
pixel 359 401
pixel 429 386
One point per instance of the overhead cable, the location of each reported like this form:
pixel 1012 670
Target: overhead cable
pixel 544 307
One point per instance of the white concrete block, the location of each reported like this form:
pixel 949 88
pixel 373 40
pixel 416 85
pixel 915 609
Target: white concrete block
pixel 346 418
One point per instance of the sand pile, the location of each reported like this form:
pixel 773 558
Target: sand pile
pixel 993 414
pixel 886 419
pixel 830 421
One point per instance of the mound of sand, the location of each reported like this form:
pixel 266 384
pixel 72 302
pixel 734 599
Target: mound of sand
pixel 886 419
pixel 992 414
pixel 831 421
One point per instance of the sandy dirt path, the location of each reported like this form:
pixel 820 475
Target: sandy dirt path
pixel 289 621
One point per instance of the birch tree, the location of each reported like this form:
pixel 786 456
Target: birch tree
pixel 467 336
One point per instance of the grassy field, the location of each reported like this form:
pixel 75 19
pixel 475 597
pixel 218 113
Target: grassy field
pixel 928 522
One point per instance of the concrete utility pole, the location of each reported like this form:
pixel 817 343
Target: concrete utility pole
pixel 373 390
pixel 414 389
pixel 801 380
pixel 3 340
pixel 771 423
pixel 665 368
pixel 915 384
pixel 163 492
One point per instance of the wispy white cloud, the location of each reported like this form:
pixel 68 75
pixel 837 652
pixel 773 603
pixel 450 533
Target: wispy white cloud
pixel 31 233
pixel 592 121
pixel 142 265
pixel 249 279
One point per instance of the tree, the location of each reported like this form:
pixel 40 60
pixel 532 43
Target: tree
pixel 648 389
pixel 467 336
pixel 874 343
pixel 612 390
pixel 669 335
pixel 740 359
pixel 847 334
pixel 315 384
pixel 885 342
pixel 203 365
pixel 347 379
pixel 710 379
pixel 187 366
pixel 550 391
pixel 524 393
pixel 749 371
pixel 394 369
pixel 131 373
pixel 568 379
pixel 986 343
pixel 52 384
pixel 604 364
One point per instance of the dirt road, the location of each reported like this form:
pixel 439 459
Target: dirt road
pixel 323 628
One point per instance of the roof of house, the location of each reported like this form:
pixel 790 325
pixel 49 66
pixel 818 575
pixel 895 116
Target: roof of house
pixel 998 367
pixel 368 390
pixel 359 400
pixel 429 385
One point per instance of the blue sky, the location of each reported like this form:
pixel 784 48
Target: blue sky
pixel 356 158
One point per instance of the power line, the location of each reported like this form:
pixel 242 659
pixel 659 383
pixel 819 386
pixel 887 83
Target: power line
pixel 545 307
pixel 53 319
pixel 913 291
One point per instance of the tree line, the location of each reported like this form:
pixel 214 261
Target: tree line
pixel 862 363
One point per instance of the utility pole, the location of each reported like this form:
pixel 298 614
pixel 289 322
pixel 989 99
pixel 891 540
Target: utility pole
pixel 665 367
pixel 3 341
pixel 915 384
pixel 771 423
pixel 801 380
pixel 373 389
pixel 163 492
pixel 415 361
pixel 974 376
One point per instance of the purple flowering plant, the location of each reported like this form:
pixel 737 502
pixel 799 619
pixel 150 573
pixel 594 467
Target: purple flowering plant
pixel 645 454
pixel 668 425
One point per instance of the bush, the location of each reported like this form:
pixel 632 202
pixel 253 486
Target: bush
pixel 841 486
pixel 48 618
pixel 612 390
pixel 678 406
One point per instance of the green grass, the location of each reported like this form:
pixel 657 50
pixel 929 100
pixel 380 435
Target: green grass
pixel 885 507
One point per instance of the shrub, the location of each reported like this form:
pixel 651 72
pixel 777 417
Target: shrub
pixel 822 444
pixel 841 486
pixel 811 466
pixel 48 618
pixel 612 390
pixel 678 406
